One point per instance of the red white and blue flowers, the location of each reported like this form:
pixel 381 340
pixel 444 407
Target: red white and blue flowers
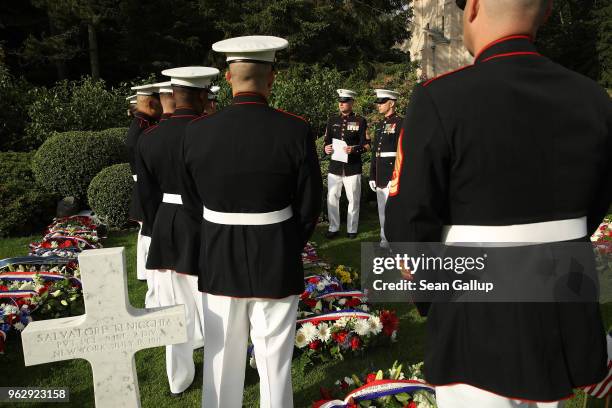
pixel 380 389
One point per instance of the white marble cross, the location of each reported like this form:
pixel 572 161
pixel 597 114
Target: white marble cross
pixel 108 334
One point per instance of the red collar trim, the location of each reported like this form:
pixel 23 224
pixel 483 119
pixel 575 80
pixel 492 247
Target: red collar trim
pixel 249 93
pixel 503 39
pixel 511 54
pixel 446 74
pixel 249 98
pixel 291 114
pixel 249 103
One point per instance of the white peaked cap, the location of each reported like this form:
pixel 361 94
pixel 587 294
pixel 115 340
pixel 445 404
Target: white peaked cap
pixel 346 93
pixel 212 92
pixel 131 99
pixel 164 87
pixel 386 94
pixel 191 77
pixel 260 48
pixel 145 90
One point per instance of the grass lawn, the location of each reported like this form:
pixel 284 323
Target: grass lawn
pixel 76 374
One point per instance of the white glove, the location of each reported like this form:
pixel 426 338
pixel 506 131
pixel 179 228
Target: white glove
pixel 372 184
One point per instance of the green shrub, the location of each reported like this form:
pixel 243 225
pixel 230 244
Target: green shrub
pixel 24 207
pixel 75 105
pixel 109 194
pixel 67 162
pixel 309 93
pixel 119 134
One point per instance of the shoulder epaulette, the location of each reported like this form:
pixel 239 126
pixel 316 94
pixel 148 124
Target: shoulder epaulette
pixel 426 83
pixel 202 117
pixel 150 128
pixel 291 114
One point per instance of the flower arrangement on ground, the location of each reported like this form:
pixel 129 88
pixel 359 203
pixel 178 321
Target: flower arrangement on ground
pixel 310 258
pixel 67 237
pixel 380 389
pixel 12 317
pixel 347 332
pixel 347 275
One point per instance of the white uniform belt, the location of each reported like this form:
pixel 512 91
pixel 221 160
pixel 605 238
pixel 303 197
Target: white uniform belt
pixel 272 217
pixel 172 199
pixel 388 154
pixel 135 177
pixel 537 232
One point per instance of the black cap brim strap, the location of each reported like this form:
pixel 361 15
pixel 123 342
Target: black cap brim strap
pixel 381 100
pixel 461 4
pixel 193 88
pixel 345 99
pixel 251 60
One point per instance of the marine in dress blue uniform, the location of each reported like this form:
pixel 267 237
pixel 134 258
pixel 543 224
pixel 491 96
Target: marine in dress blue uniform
pixel 351 128
pixel 255 175
pixel 514 140
pixel 146 113
pixel 173 252
pixel 384 150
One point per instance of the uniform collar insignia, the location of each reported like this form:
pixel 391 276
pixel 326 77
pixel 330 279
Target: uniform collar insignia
pixel 507 46
pixel 245 98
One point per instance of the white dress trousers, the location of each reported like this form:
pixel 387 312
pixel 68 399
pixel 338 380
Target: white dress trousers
pixel 142 251
pixel 467 396
pixel 227 323
pixel 180 289
pixel 381 197
pixel 142 273
pixel 352 186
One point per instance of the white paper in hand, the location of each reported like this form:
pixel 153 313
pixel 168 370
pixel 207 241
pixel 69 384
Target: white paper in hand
pixel 339 154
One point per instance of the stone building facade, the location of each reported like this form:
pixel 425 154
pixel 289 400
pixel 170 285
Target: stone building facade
pixel 437 37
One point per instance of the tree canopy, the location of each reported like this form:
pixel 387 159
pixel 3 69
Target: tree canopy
pixel 118 40
pixel 121 39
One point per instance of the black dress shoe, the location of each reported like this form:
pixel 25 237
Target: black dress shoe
pixel 331 234
pixel 352 235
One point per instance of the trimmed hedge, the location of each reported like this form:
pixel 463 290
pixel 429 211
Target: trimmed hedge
pixel 84 104
pixel 67 162
pixel 24 207
pixel 119 134
pixel 109 194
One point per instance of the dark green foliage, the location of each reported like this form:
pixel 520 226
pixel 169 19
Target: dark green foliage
pixel 58 39
pixel 24 207
pixel 119 134
pixel 13 99
pixel 109 194
pixel 75 105
pixel 311 92
pixel 333 33
pixel 575 36
pixel 308 93
pixel 603 18
pixel 67 162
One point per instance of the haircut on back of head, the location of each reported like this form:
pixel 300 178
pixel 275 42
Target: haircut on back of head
pixel 502 9
pixel 186 96
pixel 249 74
